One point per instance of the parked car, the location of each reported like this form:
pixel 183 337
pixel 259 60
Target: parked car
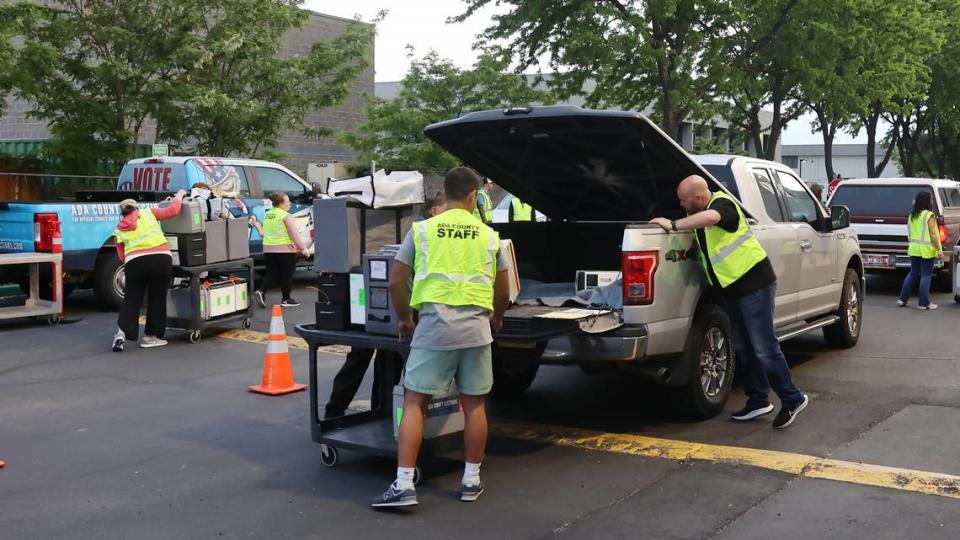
pixel 879 209
pixel 89 257
pixel 599 176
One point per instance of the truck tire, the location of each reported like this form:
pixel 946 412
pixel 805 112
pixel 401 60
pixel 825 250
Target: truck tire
pixel 108 280
pixel 712 359
pixel 942 281
pixel 845 333
pixel 514 370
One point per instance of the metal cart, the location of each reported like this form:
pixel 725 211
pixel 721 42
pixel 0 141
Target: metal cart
pixel 36 306
pixel 371 431
pixel 195 324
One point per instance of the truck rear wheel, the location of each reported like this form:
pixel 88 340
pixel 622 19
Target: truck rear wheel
pixel 711 357
pixel 514 370
pixel 109 281
pixel 846 332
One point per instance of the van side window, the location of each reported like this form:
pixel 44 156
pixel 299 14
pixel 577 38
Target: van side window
pixel 771 201
pixel 276 180
pixel 950 196
pixel 801 208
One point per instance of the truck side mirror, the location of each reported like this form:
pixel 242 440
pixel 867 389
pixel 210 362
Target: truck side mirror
pixel 839 217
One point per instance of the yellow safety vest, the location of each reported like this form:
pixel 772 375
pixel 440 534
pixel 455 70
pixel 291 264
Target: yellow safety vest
pixel 455 261
pixel 484 202
pixel 274 230
pixel 731 254
pixel 918 234
pixel 521 210
pixel 147 235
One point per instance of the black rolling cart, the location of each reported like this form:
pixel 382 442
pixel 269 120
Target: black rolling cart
pixel 195 324
pixel 369 432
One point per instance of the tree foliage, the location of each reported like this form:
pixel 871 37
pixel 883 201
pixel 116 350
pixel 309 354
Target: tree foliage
pixel 207 70
pixel 434 90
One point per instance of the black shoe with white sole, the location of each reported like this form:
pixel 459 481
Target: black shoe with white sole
pixel 261 300
pixel 787 415
pixel 289 302
pixel 750 412
pixel 393 497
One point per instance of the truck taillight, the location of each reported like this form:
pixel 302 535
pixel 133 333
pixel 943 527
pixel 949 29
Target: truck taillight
pixel 639 267
pixel 46 233
pixel 943 234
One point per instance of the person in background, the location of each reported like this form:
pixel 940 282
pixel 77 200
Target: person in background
pixel 817 191
pixel 519 211
pixel 348 379
pixel 281 243
pixel 733 260
pixel 925 248
pixel 147 260
pixel 461 291
pixel 484 209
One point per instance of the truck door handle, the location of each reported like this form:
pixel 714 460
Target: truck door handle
pixel 805 245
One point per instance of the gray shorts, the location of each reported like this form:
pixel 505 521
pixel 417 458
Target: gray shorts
pixel 431 372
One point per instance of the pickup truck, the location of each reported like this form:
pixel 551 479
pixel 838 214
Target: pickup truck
pixel 87 223
pixel 878 212
pixel 599 176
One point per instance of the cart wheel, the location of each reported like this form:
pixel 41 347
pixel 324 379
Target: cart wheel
pixel 417 475
pixel 328 455
pixel 195 336
pixel 54 320
pixel 247 323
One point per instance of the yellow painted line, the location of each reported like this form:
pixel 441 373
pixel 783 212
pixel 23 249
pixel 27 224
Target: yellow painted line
pixel 260 338
pixel 801 465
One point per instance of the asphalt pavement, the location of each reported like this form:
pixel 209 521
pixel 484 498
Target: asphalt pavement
pixel 168 443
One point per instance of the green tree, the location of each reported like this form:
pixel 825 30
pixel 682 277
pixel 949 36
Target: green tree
pixel 659 52
pixel 98 72
pixel 434 90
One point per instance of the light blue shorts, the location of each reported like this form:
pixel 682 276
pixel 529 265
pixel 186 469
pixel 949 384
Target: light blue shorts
pixel 431 372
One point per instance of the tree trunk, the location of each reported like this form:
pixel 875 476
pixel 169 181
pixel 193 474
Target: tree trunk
pixel 828 131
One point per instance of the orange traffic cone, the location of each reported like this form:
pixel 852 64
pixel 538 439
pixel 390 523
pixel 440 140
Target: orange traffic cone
pixel 277 371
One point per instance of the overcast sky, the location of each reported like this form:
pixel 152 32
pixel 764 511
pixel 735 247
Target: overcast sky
pixel 422 24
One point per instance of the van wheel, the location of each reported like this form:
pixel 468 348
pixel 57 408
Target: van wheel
pixel 712 359
pixel 514 370
pixel 109 281
pixel 846 332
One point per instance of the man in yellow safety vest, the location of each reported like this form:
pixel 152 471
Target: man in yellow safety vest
pixel 519 211
pixel 461 291
pixel 483 209
pixel 733 260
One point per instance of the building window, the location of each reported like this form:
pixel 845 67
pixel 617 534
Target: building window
pixel 791 161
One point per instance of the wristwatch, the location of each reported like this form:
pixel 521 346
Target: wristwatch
pixel 673 225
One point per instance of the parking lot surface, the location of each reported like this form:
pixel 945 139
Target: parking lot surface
pixel 168 443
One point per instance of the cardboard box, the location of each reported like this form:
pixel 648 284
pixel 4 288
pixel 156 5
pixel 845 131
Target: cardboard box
pixel 219 299
pixel 358 300
pixel 189 220
pixel 216 241
pixel 333 287
pixel 444 413
pixel 332 316
pixel 238 239
pixel 513 275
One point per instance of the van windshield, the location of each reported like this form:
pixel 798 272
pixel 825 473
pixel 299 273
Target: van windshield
pixel 877 200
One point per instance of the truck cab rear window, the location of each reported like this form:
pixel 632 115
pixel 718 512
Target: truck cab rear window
pixel 724 175
pixel 877 200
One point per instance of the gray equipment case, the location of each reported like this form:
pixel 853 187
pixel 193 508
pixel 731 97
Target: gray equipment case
pixel 380 317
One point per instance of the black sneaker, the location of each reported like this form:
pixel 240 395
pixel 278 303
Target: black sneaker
pixel 470 493
pixel 750 412
pixel 261 300
pixel 787 415
pixel 289 302
pixel 394 497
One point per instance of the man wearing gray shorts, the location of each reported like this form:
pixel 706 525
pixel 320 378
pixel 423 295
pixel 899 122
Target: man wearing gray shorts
pixel 461 291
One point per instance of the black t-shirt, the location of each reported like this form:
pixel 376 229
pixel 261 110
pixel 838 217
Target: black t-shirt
pixel 758 277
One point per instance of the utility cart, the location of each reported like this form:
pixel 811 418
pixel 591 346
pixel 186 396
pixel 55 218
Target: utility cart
pixel 372 432
pixel 188 308
pixel 36 306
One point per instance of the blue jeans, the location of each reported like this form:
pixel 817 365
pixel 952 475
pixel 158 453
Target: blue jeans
pixel 761 360
pixel 922 269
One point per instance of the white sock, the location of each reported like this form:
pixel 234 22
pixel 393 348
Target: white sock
pixel 471 474
pixel 404 478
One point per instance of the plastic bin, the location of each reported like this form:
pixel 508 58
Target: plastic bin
pixel 189 220
pixel 444 413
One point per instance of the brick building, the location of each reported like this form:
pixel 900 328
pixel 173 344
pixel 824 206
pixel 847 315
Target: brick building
pixel 299 150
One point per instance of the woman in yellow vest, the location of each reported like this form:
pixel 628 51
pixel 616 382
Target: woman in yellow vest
pixel 281 243
pixel 144 251
pixel 924 250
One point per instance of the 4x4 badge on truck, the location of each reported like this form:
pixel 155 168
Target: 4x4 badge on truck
pixel 675 255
